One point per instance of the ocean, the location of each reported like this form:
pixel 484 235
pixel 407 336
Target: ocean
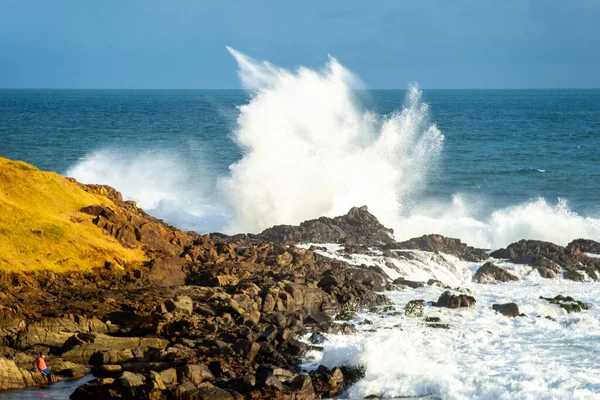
pixel 490 167
pixel 506 165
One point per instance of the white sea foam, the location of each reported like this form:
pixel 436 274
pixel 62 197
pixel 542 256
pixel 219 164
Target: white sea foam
pixel 165 184
pixel 483 355
pixel 309 149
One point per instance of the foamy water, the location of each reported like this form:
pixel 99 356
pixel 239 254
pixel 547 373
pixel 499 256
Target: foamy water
pixel 484 355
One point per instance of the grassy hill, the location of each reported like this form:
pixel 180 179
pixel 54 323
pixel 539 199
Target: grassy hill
pixel 42 229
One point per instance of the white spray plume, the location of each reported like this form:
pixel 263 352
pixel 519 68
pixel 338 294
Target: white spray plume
pixel 309 150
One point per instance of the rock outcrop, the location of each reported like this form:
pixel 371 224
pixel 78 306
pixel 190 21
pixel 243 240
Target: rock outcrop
pixel 490 273
pixel 449 300
pixel 550 258
pixel 442 244
pixel 359 226
pixel 507 309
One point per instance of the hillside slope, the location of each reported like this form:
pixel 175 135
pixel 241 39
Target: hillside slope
pixel 41 227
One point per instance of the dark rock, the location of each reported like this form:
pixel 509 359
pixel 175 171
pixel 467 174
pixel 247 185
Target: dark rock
pixel 585 245
pixel 358 226
pixel 574 275
pixel 548 255
pixel 327 383
pixel 414 308
pixel 302 388
pixel 317 338
pixel 317 318
pixel 129 379
pixel 441 244
pixel 180 304
pixel 436 325
pixel 490 273
pixel 411 284
pixel 568 303
pixel 196 373
pixel 450 300
pixel 508 309
pixel 247 349
pixel 546 272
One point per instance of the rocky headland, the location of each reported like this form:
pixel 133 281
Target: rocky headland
pixel 157 313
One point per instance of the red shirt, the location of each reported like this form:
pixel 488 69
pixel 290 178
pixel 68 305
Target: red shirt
pixel 41 364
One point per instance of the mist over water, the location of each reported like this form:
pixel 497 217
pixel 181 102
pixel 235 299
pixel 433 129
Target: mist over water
pixel 310 148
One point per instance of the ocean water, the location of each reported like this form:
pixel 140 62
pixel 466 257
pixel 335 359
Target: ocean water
pixel 483 355
pixel 487 166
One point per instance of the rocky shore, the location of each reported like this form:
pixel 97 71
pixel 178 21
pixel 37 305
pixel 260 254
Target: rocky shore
pixel 220 317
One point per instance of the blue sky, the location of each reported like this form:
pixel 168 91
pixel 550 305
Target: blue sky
pixel 181 43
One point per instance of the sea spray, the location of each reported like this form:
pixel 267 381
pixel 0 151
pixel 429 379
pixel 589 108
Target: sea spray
pixel 167 185
pixel 310 150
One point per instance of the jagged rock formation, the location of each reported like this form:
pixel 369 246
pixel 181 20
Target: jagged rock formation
pixel 359 226
pixel 550 258
pixel 442 244
pixel 490 273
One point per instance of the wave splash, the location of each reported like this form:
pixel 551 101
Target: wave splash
pixel 309 150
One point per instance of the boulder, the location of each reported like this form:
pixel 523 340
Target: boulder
pixel 490 273
pixel 441 244
pixel 357 227
pixel 450 300
pixel 179 305
pixel 507 309
pixel 414 308
pixel 574 275
pixel 411 284
pixel 585 245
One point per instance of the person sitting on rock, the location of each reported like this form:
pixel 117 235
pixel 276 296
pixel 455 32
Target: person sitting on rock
pixel 40 364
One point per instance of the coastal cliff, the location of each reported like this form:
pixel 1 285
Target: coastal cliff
pixel 154 312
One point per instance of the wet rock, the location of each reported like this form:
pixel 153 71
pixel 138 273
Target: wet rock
pixel 327 383
pixel 450 300
pixel 358 226
pixel 437 325
pixel 440 244
pixel 302 388
pixel 548 255
pixel 507 309
pixel 585 245
pixel 545 272
pixel 411 284
pixel 568 303
pixel 574 275
pixel 414 308
pixel 435 282
pixel 490 273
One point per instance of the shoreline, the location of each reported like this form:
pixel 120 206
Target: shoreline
pixel 217 315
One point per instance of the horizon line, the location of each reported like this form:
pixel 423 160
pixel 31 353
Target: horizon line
pixel 242 89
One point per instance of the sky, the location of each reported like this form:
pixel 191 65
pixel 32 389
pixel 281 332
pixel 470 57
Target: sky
pixel 388 44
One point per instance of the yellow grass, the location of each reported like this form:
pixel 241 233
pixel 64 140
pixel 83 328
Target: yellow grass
pixel 42 229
